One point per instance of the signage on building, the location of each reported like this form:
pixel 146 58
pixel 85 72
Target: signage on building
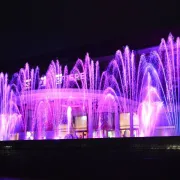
pixel 60 77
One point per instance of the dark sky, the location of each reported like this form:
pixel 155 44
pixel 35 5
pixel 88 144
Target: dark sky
pixel 39 30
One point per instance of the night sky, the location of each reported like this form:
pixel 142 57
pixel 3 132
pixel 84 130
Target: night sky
pixel 37 31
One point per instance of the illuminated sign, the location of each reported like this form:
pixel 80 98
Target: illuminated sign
pixel 60 77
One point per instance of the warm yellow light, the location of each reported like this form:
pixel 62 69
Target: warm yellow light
pixel 81 122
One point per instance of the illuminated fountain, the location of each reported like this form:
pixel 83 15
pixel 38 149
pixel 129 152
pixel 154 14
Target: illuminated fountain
pixel 64 103
pixel 148 110
pixel 167 64
pixel 10 117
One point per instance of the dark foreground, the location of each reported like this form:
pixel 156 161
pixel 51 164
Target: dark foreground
pixel 128 157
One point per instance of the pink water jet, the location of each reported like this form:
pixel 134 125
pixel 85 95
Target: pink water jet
pixel 148 110
pixel 69 119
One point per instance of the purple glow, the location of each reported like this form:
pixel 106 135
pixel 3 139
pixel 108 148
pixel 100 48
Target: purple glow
pixel 132 97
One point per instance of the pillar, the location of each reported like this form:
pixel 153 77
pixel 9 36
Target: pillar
pixel 90 119
pixel 131 122
pixel 117 123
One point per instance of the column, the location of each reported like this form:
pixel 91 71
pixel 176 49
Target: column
pixel 131 122
pixel 90 119
pixel 117 124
